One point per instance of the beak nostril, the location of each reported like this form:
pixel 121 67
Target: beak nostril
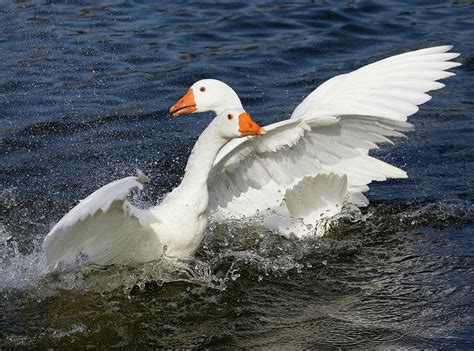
pixel 248 127
pixel 185 105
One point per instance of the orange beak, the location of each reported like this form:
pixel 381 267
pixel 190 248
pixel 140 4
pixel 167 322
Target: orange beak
pixel 184 105
pixel 247 127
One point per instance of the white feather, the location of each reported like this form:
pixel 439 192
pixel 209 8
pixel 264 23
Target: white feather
pixel 330 132
pixel 390 88
pixel 104 228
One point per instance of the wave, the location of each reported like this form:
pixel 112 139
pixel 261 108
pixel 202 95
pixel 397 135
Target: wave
pixel 229 251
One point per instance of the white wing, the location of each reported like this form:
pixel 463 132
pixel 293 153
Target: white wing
pixel 104 228
pixel 253 174
pixel 309 201
pixel 391 88
pixel 331 131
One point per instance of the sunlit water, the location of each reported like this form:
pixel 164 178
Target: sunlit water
pixel 84 94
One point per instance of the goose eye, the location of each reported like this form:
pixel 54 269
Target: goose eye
pixel 230 116
pixel 202 89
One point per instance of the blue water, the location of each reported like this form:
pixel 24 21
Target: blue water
pixel 84 94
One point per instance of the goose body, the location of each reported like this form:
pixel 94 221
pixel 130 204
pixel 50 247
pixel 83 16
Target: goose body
pixel 306 167
pixel 105 228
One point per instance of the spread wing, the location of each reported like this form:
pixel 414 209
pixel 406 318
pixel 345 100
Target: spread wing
pixel 104 228
pixel 391 88
pixel 253 174
pixel 331 131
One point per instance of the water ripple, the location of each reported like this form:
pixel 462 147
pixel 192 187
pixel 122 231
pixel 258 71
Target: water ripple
pixel 84 94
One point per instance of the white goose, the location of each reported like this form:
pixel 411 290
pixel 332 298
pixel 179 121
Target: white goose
pixel 105 228
pixel 306 167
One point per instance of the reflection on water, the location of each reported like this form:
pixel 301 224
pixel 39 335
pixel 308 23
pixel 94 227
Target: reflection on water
pixel 87 103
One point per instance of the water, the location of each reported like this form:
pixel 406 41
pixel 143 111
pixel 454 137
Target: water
pixel 84 94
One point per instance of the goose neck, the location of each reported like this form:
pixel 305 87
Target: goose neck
pixel 202 157
pixel 229 100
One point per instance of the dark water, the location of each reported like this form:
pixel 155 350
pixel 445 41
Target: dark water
pixel 84 94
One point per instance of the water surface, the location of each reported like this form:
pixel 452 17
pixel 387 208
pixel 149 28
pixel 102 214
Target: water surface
pixel 84 94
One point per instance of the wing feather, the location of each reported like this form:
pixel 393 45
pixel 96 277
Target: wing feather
pixel 104 228
pixel 390 88
pixel 331 131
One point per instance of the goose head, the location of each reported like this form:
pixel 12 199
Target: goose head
pixel 236 123
pixel 207 95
